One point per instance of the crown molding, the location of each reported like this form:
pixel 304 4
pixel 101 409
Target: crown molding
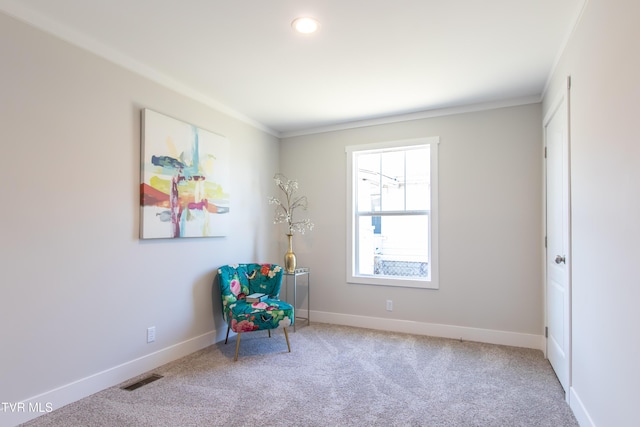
pixel 426 114
pixel 22 13
pixel 563 46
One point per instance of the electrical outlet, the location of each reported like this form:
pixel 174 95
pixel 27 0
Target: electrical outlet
pixel 151 334
pixel 389 305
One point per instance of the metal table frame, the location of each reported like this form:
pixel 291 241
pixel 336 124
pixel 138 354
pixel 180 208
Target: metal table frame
pixel 301 271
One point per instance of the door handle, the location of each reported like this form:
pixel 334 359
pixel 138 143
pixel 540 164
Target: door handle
pixel 560 259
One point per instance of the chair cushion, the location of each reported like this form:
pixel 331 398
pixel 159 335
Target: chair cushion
pixel 267 314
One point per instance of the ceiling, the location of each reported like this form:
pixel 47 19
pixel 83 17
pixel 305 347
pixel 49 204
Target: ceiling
pixel 370 60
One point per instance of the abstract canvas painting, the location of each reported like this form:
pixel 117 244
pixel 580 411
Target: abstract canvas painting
pixel 185 179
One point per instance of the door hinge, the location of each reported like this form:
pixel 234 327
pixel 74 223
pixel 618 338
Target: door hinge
pixel 545 152
pixel 568 82
pixel 545 241
pixel 546 332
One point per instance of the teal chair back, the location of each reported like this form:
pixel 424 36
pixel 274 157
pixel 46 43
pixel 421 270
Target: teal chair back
pixel 239 280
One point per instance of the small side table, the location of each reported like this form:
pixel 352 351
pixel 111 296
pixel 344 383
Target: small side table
pixel 300 271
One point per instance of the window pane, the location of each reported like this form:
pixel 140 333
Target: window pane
pixel 392 171
pixel 368 178
pixel 400 249
pixel 418 179
pixel 366 245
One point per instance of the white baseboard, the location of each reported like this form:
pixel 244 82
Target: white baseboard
pixel 579 410
pixel 489 336
pixel 69 393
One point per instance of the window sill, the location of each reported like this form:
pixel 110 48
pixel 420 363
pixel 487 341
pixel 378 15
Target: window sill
pixel 392 282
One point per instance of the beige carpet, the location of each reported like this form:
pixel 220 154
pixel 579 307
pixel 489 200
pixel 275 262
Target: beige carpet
pixel 336 376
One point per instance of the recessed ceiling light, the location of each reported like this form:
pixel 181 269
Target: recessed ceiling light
pixel 305 25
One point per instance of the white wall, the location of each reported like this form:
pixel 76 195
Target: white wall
pixel 603 60
pixel 79 289
pixel 490 228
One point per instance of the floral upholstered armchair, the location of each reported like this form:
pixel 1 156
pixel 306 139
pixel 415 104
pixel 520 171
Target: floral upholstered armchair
pixel 238 281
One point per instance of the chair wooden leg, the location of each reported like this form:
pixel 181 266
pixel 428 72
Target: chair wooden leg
pixel 227 338
pixel 269 330
pixel 286 335
pixel 237 347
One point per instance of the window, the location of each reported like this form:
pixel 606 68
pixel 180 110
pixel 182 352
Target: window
pixel 392 219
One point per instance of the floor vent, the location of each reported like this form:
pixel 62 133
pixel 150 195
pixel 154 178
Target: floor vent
pixel 142 382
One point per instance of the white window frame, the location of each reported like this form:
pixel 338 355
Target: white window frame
pixel 433 282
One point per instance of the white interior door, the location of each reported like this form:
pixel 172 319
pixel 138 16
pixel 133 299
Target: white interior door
pixel 558 277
